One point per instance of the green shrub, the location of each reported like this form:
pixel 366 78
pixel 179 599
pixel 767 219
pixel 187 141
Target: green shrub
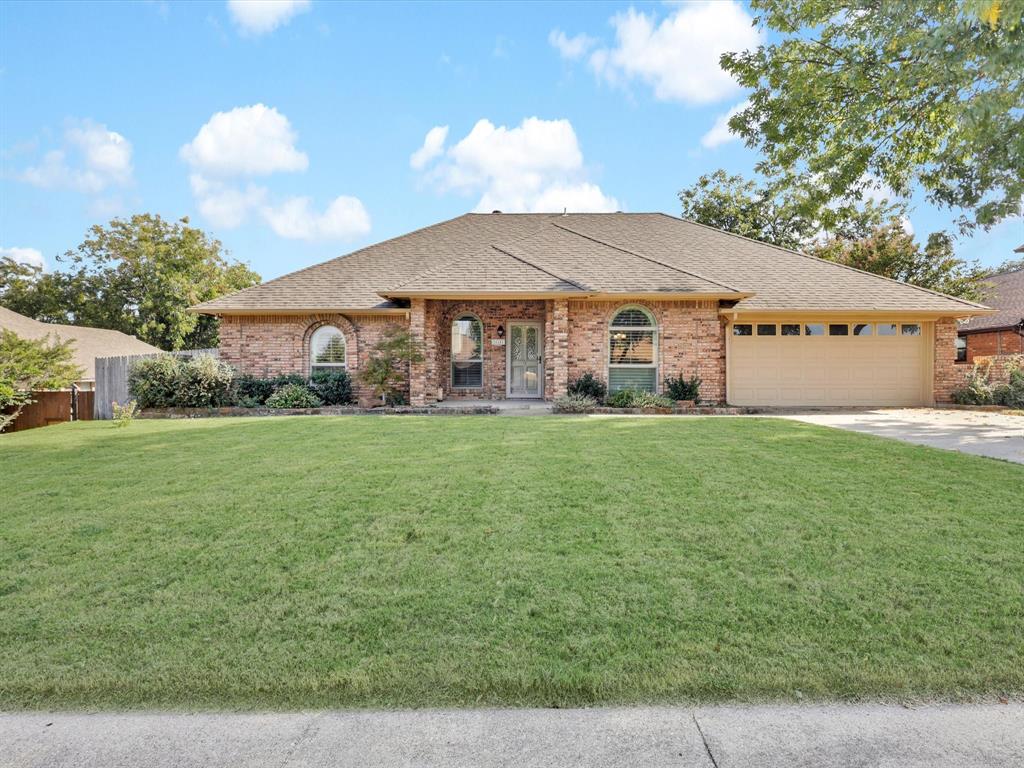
pixel 204 382
pixel 285 379
pixel 168 381
pixel 153 381
pixel 638 398
pixel 252 391
pixel 332 387
pixel 976 389
pixel 574 403
pixel 124 414
pixel 293 396
pixel 1012 393
pixel 678 388
pixel 588 385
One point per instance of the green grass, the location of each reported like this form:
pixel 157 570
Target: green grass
pixel 411 561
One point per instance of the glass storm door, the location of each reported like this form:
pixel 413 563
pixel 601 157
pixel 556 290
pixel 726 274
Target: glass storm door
pixel 525 374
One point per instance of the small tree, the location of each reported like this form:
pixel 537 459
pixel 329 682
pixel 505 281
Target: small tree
pixel 31 364
pixel 387 370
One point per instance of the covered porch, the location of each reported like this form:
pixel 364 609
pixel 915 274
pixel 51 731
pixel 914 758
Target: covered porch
pixel 489 349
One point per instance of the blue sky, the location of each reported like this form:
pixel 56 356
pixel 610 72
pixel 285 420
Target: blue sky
pixel 301 131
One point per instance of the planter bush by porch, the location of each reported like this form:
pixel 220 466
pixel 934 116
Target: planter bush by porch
pixel 679 388
pixel 332 387
pixel 293 396
pixel 252 391
pixel 588 385
pixel 574 403
pixel 638 398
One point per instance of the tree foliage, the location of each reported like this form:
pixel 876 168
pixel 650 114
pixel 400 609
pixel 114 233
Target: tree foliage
pixel 869 236
pixel 774 213
pixel 27 365
pixel 891 252
pixel 927 92
pixel 387 369
pixel 136 275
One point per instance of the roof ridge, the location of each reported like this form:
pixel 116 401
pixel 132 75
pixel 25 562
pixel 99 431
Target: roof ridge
pixel 537 266
pixel 337 258
pixel 646 258
pixel 826 261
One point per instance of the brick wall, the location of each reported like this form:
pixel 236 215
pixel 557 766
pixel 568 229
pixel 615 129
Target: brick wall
pixel 691 340
pixel 947 374
pixel 1005 342
pixel 269 345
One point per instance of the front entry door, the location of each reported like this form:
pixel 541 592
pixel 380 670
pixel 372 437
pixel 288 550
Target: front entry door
pixel 525 360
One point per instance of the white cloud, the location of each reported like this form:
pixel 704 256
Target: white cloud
pixel 535 166
pixel 29 256
pixel 260 141
pixel 247 141
pixel 678 57
pixel 720 133
pixel 91 159
pixel 343 219
pixel 258 17
pixel 571 47
pixel 433 145
pixel 225 205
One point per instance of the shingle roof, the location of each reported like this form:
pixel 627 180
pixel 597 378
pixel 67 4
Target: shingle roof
pixel 593 252
pixel 89 343
pixel 1005 293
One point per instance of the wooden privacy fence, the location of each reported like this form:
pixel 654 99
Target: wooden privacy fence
pixel 53 407
pixel 112 379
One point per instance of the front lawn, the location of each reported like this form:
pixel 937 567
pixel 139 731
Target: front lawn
pixel 409 561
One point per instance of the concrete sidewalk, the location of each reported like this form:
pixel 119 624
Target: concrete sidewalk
pixel 705 737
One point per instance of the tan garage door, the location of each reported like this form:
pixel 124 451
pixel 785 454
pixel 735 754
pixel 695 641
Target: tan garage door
pixel 820 363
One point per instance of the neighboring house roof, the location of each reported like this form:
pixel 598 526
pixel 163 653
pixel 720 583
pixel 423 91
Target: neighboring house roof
pixel 1005 292
pixel 1019 249
pixel 89 343
pixel 582 254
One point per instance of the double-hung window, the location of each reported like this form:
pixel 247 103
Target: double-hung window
pixel 633 350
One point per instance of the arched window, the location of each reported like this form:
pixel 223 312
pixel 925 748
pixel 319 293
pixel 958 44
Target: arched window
pixel 467 352
pixel 633 350
pixel 327 349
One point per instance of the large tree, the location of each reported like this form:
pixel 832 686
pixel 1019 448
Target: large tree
pixel 851 92
pixel 136 275
pixel 774 212
pixel 891 252
pixel 870 236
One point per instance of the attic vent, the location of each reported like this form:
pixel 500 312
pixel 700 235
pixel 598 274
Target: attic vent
pixel 495 211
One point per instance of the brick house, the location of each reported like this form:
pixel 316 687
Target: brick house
pixel 1001 333
pixel 518 305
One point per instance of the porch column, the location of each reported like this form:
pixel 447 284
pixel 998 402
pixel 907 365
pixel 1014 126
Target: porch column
pixel 558 347
pixel 418 371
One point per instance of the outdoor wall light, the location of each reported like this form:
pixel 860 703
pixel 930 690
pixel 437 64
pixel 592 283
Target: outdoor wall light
pixel 501 331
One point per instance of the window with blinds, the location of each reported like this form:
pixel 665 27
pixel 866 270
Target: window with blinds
pixel 467 353
pixel 632 350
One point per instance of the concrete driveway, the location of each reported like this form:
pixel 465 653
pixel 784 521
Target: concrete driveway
pixel 993 434
pixel 705 737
